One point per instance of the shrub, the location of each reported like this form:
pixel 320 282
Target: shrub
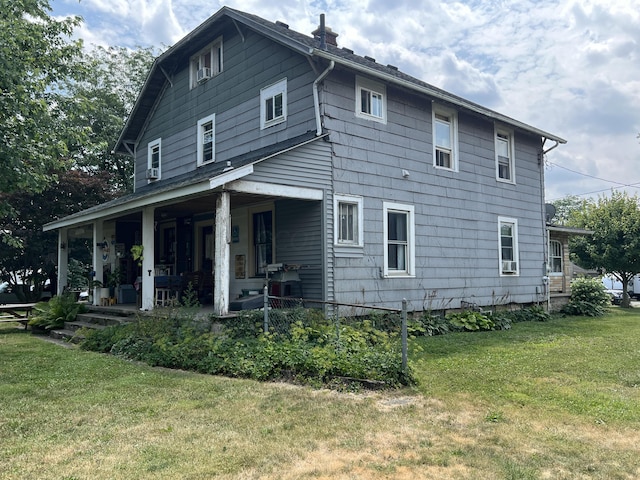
pixel 59 309
pixel 588 297
pixel 470 321
pixel 312 351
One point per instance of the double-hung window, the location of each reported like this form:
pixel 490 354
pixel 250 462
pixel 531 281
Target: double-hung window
pixel 445 138
pixel 555 256
pixel 348 224
pixel 371 100
pixel 273 104
pixel 206 139
pixel 505 170
pixel 154 156
pixel 508 239
pixel 207 63
pixel 399 240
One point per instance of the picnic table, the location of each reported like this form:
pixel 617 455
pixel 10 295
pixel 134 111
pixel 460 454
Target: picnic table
pixel 16 312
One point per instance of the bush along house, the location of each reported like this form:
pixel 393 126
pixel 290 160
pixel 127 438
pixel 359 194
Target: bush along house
pixel 255 145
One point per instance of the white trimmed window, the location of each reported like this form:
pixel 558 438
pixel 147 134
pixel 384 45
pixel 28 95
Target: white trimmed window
pixel 505 159
pixel 273 104
pixel 555 256
pixel 371 101
pixel 207 63
pixel 207 139
pixel 445 138
pixel 154 157
pixel 508 238
pixel 399 240
pixel 349 223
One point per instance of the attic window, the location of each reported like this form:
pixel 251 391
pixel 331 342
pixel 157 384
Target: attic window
pixel 207 63
pixel 273 104
pixel 371 102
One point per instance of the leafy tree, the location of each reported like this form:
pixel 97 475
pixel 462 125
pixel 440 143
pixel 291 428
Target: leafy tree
pixel 614 246
pixel 565 208
pixel 35 55
pixel 31 260
pixel 100 102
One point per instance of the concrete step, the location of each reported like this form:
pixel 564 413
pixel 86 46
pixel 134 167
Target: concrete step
pixel 78 324
pixel 66 335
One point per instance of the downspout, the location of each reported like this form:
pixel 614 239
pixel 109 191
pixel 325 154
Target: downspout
pixel 546 281
pixel 316 99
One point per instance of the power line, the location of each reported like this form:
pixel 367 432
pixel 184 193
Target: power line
pixel 634 185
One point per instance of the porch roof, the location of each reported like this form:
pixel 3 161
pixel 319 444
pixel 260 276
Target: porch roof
pixel 201 180
pixel 569 230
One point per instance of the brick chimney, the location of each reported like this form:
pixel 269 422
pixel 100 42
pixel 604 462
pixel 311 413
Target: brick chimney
pixel 325 35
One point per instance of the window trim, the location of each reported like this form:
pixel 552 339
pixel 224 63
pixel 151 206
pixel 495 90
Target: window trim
pixel 561 257
pixel 339 199
pixel 499 130
pixel 200 146
pixel 516 253
pixel 214 49
pixel 270 92
pixel 409 210
pixel 150 147
pixel 453 135
pixel 372 87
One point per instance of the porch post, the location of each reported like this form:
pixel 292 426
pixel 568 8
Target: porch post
pixel 222 254
pixel 148 254
pixel 63 260
pixel 98 237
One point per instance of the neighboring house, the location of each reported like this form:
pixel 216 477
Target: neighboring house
pixel 255 145
pixel 562 271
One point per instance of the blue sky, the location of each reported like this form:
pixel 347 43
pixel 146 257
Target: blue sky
pixel 571 68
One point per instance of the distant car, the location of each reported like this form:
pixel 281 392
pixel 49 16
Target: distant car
pixel 616 296
pixel 4 287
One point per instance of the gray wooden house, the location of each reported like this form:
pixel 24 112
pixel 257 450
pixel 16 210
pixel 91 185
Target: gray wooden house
pixel 257 145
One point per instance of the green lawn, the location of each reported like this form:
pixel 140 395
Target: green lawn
pixel 540 401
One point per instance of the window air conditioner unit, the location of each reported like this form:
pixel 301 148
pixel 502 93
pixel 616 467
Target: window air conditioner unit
pixel 203 74
pixel 509 267
pixel 153 173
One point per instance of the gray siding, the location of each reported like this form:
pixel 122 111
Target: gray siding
pixel 299 240
pixel 456 213
pixel 234 97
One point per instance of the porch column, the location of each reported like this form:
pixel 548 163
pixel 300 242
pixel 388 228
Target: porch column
pixel 98 238
pixel 148 267
pixel 63 260
pixel 221 255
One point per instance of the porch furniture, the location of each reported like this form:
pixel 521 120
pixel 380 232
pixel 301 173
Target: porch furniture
pixel 127 294
pixel 167 289
pixel 163 297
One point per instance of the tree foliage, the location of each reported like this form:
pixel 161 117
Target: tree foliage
pixel 565 209
pixel 35 55
pixel 99 102
pixel 614 247
pixel 31 260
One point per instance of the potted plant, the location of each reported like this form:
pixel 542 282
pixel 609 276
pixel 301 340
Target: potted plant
pixel 137 252
pixel 113 280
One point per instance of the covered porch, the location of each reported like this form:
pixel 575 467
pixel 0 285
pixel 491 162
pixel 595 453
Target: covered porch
pixel 213 238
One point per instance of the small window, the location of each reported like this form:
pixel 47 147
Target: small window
pixel 273 104
pixel 154 156
pixel 207 63
pixel 555 256
pixel 445 139
pixel 504 156
pixel 348 220
pixel 508 238
pixel 206 139
pixel 399 240
pixel 371 100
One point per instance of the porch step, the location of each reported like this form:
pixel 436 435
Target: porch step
pixel 95 318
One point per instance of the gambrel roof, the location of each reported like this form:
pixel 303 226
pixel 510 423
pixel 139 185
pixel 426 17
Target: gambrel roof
pixel 173 59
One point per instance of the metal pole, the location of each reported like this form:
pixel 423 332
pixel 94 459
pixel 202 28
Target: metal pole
pixel 404 334
pixel 337 323
pixel 266 309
